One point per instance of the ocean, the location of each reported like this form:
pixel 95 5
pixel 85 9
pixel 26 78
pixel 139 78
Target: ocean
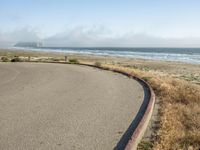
pixel 188 55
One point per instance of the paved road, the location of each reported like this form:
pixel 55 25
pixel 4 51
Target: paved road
pixel 65 107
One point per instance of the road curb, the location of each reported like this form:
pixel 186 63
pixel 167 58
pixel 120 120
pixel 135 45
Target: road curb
pixel 143 124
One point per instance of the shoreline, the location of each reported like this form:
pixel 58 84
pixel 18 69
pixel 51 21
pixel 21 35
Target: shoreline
pixel 134 55
pixel 186 71
pixel 62 53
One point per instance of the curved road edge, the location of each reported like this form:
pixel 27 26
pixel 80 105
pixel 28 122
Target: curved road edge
pixel 143 117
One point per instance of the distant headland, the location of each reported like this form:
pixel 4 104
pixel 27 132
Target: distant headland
pixel 29 44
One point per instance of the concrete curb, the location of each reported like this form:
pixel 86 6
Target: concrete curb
pixel 143 124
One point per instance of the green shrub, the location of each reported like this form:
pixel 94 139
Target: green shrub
pixel 53 59
pixel 16 59
pixel 73 61
pixel 56 59
pixel 4 59
pixel 145 145
pixel 146 78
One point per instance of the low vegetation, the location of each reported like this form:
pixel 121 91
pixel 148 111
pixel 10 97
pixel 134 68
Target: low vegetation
pixel 4 59
pixel 16 59
pixel 52 59
pixel 144 145
pixel 97 64
pixel 73 61
pixel 179 126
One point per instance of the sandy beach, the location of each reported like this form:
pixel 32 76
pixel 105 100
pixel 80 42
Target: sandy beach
pixel 186 71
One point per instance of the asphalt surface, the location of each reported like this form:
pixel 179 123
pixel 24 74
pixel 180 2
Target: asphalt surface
pixel 64 107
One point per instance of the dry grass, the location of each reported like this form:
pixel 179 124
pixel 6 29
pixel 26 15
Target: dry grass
pixel 180 113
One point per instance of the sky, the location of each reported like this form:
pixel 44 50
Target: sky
pixel 101 23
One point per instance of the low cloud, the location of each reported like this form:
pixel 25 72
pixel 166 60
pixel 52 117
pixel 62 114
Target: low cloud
pixel 80 36
pixel 23 34
pixel 95 36
pixel 100 36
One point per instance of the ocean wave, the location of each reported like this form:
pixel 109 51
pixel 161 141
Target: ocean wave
pixel 181 57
